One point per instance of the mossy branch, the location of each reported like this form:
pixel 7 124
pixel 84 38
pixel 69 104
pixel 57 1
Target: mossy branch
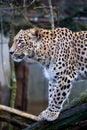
pixel 70 119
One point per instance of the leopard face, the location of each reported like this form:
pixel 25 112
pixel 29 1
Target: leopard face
pixel 22 45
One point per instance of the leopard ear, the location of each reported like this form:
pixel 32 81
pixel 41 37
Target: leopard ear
pixel 21 30
pixel 35 33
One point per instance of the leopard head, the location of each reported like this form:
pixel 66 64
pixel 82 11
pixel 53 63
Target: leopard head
pixel 26 43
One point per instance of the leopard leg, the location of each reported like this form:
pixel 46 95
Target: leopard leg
pixel 60 86
pixel 58 93
pixel 50 91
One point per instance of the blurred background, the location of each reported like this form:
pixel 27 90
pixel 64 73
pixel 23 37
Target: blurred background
pixel 23 85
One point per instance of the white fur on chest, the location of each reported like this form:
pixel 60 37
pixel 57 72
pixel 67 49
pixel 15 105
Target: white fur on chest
pixel 48 73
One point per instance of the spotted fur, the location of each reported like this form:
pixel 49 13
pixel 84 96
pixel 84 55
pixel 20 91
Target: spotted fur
pixel 63 54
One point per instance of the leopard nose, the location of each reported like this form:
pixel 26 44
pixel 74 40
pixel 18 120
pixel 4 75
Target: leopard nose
pixel 12 49
pixel 11 52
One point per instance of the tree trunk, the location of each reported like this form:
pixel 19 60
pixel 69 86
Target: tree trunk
pixel 22 71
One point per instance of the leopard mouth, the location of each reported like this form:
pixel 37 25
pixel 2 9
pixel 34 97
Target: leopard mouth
pixel 18 58
pixel 25 56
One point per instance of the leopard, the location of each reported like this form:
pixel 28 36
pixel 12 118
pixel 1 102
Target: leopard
pixel 63 55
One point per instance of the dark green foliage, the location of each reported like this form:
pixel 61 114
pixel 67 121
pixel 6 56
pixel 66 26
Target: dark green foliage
pixel 70 23
pixel 73 16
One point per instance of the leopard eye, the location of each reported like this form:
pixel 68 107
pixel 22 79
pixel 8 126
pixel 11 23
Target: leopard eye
pixel 21 43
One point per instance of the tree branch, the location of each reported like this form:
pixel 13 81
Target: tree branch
pixel 52 15
pixel 71 118
pixel 74 118
pixel 18 112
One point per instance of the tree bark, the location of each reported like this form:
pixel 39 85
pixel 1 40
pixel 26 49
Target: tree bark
pixel 72 119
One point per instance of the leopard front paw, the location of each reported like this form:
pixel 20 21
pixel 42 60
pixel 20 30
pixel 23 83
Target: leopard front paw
pixel 48 115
